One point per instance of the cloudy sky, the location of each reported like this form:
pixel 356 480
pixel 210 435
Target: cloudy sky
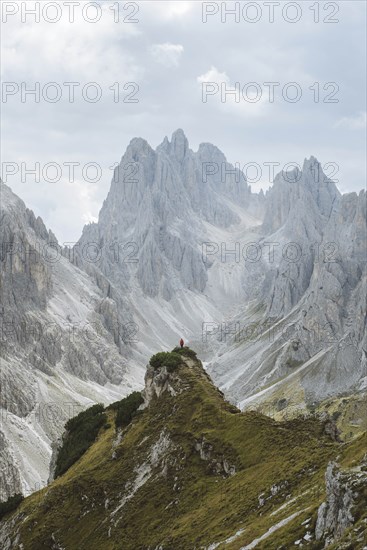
pixel 159 66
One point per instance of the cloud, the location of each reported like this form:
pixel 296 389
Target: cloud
pixel 168 34
pixel 167 54
pixel 81 51
pixel 231 97
pixel 354 122
pixel 168 9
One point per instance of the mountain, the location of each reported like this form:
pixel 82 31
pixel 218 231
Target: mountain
pixel 76 331
pixel 270 289
pixel 306 338
pixel 185 213
pixel 191 471
pixel 163 205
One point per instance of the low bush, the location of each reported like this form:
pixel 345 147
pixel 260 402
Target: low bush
pixel 157 360
pixel 81 432
pixel 126 409
pixel 10 505
pixel 170 360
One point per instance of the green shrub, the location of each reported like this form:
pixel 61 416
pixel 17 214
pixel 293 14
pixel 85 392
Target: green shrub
pixel 10 505
pixel 185 351
pixel 126 409
pixel 157 360
pixel 170 360
pixel 81 432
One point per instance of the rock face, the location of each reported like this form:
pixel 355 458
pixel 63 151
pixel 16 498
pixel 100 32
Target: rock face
pixel 58 353
pixel 160 199
pixel 216 464
pixel 300 193
pixel 307 337
pixel 335 515
pixel 156 382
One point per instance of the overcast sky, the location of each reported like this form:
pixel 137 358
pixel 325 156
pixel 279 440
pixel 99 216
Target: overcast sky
pixel 171 55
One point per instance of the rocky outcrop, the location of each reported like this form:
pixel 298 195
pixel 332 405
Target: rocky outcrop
pixel 55 447
pixel 156 382
pixel 10 479
pixel 218 465
pixel 336 514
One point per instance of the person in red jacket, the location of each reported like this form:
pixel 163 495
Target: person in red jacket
pixel 182 343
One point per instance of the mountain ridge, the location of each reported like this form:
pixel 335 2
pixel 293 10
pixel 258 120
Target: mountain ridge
pixel 200 472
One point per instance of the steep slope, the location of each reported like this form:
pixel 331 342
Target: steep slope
pixel 57 355
pixel 191 471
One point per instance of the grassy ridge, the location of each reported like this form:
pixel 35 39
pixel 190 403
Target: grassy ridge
pixel 165 482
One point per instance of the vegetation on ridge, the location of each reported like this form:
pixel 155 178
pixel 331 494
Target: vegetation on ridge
pixel 186 351
pixel 126 409
pixel 190 470
pixel 170 360
pixel 81 432
pixel 10 505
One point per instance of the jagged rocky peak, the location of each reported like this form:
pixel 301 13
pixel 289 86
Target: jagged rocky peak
pixel 298 192
pixel 208 150
pixel 161 198
pixel 138 145
pixel 15 213
pixel 24 241
pixel 174 182
pixel 134 173
pixel 178 147
pixel 323 189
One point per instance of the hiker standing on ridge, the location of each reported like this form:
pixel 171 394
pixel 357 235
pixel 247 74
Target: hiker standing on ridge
pixel 182 343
